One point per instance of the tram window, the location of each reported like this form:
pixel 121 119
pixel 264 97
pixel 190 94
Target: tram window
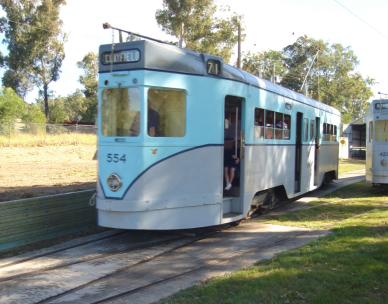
pixel 269 124
pixel 312 129
pixel 120 112
pixel 278 125
pixel 381 130
pixel 166 113
pixel 370 131
pixel 286 126
pixel 335 133
pixel 259 123
pixel 306 129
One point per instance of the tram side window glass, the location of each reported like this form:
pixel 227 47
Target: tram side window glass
pixel 287 126
pixel 269 124
pixel 329 132
pixel 305 129
pixel 370 131
pixel 324 132
pixel 312 129
pixel 278 125
pixel 381 130
pixel 120 112
pixel 259 123
pixel 166 115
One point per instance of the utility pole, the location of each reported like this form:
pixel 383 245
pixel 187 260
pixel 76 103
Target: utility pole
pixel 239 44
pixel 181 35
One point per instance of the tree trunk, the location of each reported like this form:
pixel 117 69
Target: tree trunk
pixel 46 105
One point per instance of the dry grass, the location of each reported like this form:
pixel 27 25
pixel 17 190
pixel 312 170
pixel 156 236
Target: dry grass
pixel 33 171
pixel 42 140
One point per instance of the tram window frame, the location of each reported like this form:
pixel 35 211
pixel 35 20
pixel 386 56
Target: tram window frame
pixel 381 130
pixel 329 132
pixel 264 129
pixel 287 126
pixel 259 120
pixel 118 119
pixel 312 129
pixel 269 127
pixel 305 129
pixel 278 126
pixel 168 126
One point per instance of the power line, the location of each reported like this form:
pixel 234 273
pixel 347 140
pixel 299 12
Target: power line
pixel 362 20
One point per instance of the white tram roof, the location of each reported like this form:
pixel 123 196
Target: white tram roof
pixel 165 57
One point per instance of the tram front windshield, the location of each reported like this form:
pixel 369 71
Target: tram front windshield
pixel 381 127
pixel 120 112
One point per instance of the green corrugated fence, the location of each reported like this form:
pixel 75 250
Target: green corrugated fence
pixel 35 219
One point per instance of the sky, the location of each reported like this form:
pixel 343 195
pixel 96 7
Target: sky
pixel 274 24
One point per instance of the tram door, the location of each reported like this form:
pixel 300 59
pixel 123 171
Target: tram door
pixel 298 151
pixel 317 147
pixel 233 146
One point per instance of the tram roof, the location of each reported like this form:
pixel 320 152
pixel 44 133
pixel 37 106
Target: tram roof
pixel 165 57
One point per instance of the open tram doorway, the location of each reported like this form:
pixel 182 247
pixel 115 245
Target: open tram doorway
pixel 233 148
pixel 317 148
pixel 298 152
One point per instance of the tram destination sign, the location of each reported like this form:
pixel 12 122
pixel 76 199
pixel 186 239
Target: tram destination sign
pixel 125 56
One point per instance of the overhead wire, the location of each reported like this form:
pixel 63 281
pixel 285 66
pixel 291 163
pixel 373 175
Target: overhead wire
pixel 362 20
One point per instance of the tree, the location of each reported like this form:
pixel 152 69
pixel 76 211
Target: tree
pixel 58 111
pixel 89 65
pixel 194 22
pixel 268 65
pixel 327 73
pixel 33 114
pixel 11 106
pixel 35 43
pixel 75 106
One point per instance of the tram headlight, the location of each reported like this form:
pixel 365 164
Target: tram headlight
pixel 384 162
pixel 114 182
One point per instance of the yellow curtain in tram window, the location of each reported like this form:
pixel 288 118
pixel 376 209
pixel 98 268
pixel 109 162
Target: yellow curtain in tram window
pixel 381 129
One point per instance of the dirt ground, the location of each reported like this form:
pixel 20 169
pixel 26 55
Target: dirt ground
pixel 35 171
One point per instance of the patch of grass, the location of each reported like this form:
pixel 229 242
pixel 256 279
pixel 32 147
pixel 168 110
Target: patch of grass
pixel 348 165
pixel 348 266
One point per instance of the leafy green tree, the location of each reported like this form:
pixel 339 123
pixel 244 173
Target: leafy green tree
pixel 75 106
pixel 326 72
pixel 332 78
pixel 89 65
pixel 194 22
pixel 35 43
pixel 33 114
pixel 11 106
pixel 268 65
pixel 58 111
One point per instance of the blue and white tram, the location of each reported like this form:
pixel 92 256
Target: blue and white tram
pixel 166 117
pixel 377 142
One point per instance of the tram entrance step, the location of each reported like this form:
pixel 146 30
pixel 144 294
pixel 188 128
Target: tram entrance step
pixel 231 205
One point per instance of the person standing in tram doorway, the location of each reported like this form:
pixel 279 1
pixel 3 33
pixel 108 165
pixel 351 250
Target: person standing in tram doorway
pixel 231 157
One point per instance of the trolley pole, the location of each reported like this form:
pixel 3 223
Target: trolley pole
pixel 239 44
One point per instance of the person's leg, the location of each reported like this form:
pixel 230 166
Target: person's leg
pixel 226 175
pixel 228 178
pixel 231 175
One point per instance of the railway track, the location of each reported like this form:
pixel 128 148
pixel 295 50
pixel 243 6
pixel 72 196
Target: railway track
pixel 142 267
pixel 93 261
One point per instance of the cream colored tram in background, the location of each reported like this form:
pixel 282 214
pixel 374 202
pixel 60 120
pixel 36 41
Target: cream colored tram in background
pixel 377 142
